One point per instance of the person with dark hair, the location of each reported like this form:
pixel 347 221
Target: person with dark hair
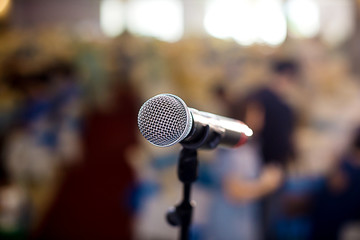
pixel 271 117
pixel 273 121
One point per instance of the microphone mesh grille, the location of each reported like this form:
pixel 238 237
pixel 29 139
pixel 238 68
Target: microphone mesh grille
pixel 164 120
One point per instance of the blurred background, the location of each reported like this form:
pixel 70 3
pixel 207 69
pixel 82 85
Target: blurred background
pixel 73 75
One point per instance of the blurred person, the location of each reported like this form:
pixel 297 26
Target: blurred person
pixel 271 117
pixel 273 121
pixel 94 198
pixel 47 119
pixel 229 216
pixel 336 203
pixel 226 219
pixel 42 136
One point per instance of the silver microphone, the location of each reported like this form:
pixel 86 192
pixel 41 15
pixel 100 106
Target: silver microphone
pixel 165 120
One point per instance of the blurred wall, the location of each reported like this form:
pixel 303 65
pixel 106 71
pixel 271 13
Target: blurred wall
pixel 37 13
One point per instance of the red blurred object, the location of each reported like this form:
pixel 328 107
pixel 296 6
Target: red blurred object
pixel 92 203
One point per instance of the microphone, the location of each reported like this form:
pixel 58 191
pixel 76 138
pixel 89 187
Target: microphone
pixel 165 120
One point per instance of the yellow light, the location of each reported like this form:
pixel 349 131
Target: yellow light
pixel 4 6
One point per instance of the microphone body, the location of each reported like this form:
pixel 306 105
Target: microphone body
pixel 165 120
pixel 223 131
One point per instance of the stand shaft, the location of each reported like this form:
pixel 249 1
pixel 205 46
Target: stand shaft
pixel 186 209
pixel 187 173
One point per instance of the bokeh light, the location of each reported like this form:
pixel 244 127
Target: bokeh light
pixel 272 26
pixel 303 16
pixel 337 18
pixel 4 7
pixel 247 22
pixel 112 17
pixel 162 19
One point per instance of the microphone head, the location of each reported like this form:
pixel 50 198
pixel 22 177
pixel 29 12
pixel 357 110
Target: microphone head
pixel 164 120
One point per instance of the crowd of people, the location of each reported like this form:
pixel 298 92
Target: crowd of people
pixel 74 165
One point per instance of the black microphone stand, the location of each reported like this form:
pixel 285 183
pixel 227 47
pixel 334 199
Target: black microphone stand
pixel 187 174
